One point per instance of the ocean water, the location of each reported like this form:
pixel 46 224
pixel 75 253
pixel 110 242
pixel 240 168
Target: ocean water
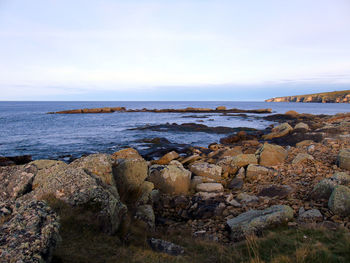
pixel 25 128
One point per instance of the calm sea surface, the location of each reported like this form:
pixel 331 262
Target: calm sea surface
pixel 25 128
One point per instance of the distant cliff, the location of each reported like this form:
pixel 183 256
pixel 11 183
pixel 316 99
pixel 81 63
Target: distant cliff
pixel 326 97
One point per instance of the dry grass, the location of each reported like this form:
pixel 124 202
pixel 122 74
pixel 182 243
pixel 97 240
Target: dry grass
pixel 83 242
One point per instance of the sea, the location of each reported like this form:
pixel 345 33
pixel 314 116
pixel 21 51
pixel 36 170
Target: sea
pixel 27 129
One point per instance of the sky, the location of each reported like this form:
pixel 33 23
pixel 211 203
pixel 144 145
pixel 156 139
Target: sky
pixel 172 50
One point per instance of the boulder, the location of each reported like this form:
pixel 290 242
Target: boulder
pixel 144 196
pixel 77 188
pixel 270 155
pixel 129 174
pixel 304 143
pixel 29 231
pixel 209 187
pixel 256 172
pixel 255 221
pixel 207 170
pixel 302 157
pixel 339 202
pixel 170 179
pixel 279 131
pixel 190 159
pixel 235 184
pixel 232 164
pixel 310 216
pixel 344 159
pixel 301 127
pixel 167 158
pixel 145 213
pixel 99 165
pixel 128 153
pixel 325 187
pixel 292 113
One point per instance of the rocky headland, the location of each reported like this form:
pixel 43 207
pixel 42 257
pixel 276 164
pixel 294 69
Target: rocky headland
pixel 325 97
pixel 293 175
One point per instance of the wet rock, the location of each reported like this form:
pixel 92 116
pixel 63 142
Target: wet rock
pixel 270 155
pixel 167 158
pixel 170 179
pixel 279 131
pixel 298 136
pixel 255 221
pixel 207 170
pixel 302 157
pixel 256 172
pixel 219 108
pixel 156 140
pixel 209 187
pixel 310 216
pixel 339 202
pixel 29 232
pixel 15 160
pixel 273 191
pixel 163 246
pixel 344 159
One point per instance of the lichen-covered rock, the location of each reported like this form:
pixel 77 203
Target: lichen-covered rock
pixel 255 221
pixel 209 187
pixel 344 159
pixel 279 131
pixel 270 155
pixel 129 174
pixel 77 188
pixel 325 187
pixel 342 178
pixel 15 181
pixel 146 214
pixel 339 202
pixel 29 232
pixel 256 172
pixel 170 179
pixel 246 198
pixel 310 216
pixel 207 170
pixel 99 165
pixel 302 157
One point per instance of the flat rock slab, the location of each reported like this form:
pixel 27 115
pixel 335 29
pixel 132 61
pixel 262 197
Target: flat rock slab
pixel 209 187
pixel 254 222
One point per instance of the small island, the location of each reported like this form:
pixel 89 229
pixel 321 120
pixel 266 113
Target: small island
pixel 325 97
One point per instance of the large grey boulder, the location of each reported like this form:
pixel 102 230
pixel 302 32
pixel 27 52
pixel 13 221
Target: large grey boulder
pixel 270 155
pixel 77 188
pixel 339 202
pixel 29 231
pixel 254 222
pixel 344 159
pixel 325 187
pixel 207 170
pixel 170 179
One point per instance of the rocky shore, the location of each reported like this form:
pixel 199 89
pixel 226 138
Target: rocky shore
pixel 326 97
pixel 293 174
pixel 220 109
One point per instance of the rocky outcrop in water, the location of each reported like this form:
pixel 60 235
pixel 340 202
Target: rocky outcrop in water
pixel 326 97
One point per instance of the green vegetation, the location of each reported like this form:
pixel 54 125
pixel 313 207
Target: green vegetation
pixel 83 242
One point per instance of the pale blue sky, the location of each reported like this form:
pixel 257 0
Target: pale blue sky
pixel 172 50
